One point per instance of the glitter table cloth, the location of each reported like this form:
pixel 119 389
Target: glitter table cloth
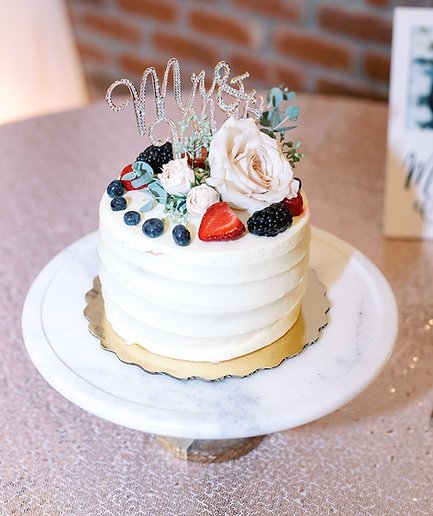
pixel 373 456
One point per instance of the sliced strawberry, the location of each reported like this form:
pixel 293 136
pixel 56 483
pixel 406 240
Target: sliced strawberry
pixel 128 184
pixel 220 222
pixel 295 204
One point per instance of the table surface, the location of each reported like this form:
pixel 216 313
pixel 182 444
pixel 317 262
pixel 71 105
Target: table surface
pixel 374 456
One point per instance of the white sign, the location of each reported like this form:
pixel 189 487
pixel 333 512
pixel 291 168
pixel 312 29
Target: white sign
pixel 409 168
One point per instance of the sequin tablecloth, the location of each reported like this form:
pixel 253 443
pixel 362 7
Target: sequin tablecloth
pixel 373 456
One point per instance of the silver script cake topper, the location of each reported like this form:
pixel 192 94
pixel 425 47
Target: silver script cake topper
pixel 245 103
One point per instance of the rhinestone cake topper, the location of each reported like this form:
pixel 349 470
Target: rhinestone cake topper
pixel 244 104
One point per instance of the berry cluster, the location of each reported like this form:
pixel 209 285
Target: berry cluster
pixel 115 190
pixel 270 221
pixel 156 156
pixel 153 228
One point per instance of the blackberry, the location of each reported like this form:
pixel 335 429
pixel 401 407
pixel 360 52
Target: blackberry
pixel 157 156
pixel 118 203
pixel 270 221
pixel 181 235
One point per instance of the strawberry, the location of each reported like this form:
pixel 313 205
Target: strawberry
pixel 128 184
pixel 197 161
pixel 220 222
pixel 295 204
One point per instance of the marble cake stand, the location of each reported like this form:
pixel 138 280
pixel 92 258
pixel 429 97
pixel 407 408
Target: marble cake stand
pixel 350 353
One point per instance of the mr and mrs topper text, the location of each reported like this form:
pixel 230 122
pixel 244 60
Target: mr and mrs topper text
pixel 244 104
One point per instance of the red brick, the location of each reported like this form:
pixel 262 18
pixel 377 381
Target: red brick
pixel 280 9
pixel 291 77
pixel 358 24
pixel 267 73
pixel 378 3
pixel 346 88
pixel 112 27
pixel 185 47
pixel 224 27
pixel 157 9
pixel 259 69
pixel 136 65
pixel 90 52
pixel 314 49
pixel 377 66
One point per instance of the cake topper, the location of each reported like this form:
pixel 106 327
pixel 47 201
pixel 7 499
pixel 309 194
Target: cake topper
pixel 245 103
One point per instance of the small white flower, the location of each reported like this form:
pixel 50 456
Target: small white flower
pixel 199 199
pixel 247 166
pixel 176 177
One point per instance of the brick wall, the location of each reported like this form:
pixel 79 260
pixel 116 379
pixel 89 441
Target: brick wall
pixel 331 46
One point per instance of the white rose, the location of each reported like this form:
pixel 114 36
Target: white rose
pixel 176 177
pixel 247 166
pixel 199 199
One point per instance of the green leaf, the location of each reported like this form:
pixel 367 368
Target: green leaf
pixel 268 132
pixel 284 129
pixel 158 192
pixel 140 181
pixel 275 118
pixel 292 112
pixel 275 96
pixel 143 169
pixel 289 95
pixel 130 176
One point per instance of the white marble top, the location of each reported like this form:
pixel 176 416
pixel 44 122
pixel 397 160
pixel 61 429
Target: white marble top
pixel 349 355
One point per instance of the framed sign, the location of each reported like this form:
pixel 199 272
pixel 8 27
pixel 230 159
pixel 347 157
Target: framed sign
pixel 409 168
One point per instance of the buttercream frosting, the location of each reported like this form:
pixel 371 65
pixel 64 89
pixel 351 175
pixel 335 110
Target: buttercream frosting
pixel 210 301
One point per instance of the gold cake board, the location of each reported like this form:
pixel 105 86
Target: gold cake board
pixel 306 330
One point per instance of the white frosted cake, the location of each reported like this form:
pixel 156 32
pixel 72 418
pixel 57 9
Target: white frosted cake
pixel 204 241
pixel 209 301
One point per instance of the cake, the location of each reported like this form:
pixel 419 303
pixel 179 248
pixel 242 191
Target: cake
pixel 204 249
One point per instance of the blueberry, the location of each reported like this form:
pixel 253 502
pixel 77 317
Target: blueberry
pixel 118 203
pixel 115 188
pixel 153 227
pixel 131 218
pixel 181 235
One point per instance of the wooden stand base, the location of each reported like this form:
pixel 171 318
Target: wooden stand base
pixel 208 451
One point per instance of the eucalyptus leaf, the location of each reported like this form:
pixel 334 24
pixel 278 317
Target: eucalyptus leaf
pixel 284 129
pixel 275 96
pixel 140 181
pixel 143 169
pixel 158 191
pixel 289 95
pixel 148 205
pixel 292 112
pixel 130 176
pixel 268 132
pixel 275 118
